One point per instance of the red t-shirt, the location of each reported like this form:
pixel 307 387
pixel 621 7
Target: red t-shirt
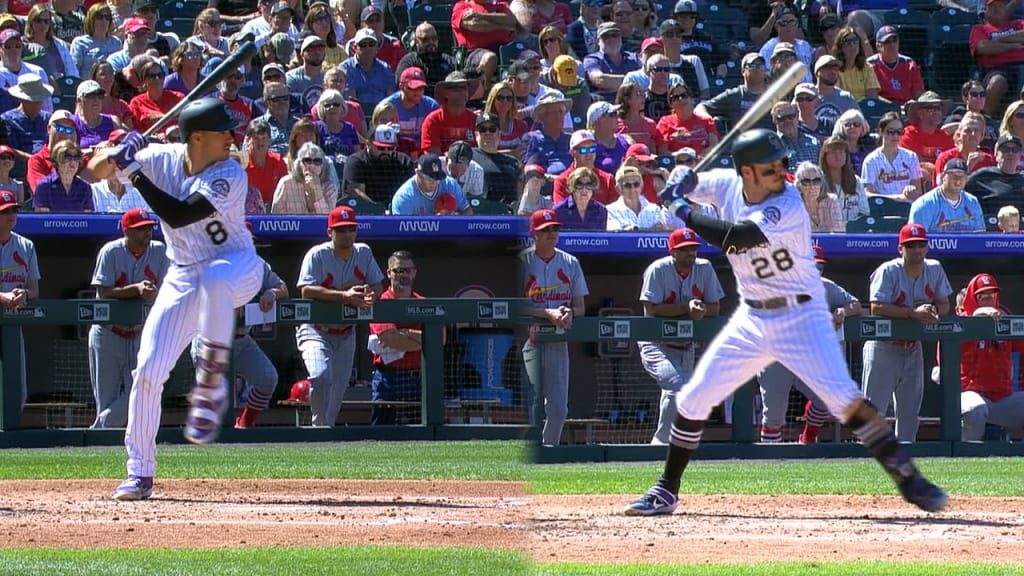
pixel 899 82
pixel 644 131
pixel 241 111
pixel 413 359
pixel 692 133
pixel 265 179
pixel 987 31
pixel 472 40
pixel 145 112
pixel 441 130
pixel 926 146
pixel 986 160
pixel 21 7
pixel 560 18
pixel 120 109
pixel 606 195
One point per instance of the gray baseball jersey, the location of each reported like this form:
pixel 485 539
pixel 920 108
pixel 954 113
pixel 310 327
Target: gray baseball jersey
pixel 837 297
pixel 890 284
pixel 663 284
pixel 18 263
pixel 320 267
pixel 117 266
pixel 552 283
pixel 224 184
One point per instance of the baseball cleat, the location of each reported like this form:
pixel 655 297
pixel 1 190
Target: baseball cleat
pixel 208 406
pixel 655 502
pixel 134 488
pixel 921 493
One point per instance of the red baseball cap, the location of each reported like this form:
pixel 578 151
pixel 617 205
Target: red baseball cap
pixel 4 149
pixel 445 202
pixel 135 24
pixel 137 218
pixel 641 152
pixel 7 200
pixel 533 169
pixel 648 42
pixel 341 216
pixel 542 219
pixel 413 77
pixel 913 233
pixel 681 237
pixel 819 255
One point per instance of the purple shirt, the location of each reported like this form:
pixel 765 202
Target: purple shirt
pixel 594 218
pixel 50 194
pixel 340 143
pixel 609 159
pixel 89 136
pixel 174 82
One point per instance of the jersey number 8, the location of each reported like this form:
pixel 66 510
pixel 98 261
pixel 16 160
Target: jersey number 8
pixel 780 258
pixel 218 235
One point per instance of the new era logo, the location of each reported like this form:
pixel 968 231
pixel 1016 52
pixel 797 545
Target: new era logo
pixel 85 312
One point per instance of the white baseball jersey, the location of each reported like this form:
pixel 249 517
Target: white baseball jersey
pixel 321 267
pixel 117 266
pixel 889 178
pixel 551 283
pixel 783 267
pixel 663 284
pixel 18 263
pixel 890 284
pixel 224 184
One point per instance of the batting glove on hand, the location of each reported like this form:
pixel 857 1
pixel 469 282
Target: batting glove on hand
pixel 681 183
pixel 124 154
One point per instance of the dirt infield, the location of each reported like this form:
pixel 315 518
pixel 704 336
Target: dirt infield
pixel 499 515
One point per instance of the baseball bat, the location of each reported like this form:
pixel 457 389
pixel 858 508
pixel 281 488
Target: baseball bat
pixel 240 56
pixel 776 90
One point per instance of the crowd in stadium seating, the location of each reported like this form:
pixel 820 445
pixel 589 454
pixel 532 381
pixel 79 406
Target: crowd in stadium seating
pixel 528 104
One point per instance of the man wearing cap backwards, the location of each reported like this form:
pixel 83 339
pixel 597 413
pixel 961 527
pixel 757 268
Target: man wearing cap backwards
pixel 607 68
pixel 260 27
pixel 682 286
pixel 129 268
pixel 308 80
pixel 412 103
pixel 198 191
pixel 389 49
pixel 997 45
pixel 947 209
pixel 552 280
pixel 899 77
pixel 11 66
pixel 26 128
pixel 1002 184
pixel 375 172
pixel 453 121
pixel 912 287
pixel 19 270
pixel 832 100
pixel 765 233
pixel 417 195
pixel 426 56
pixel 986 367
pixel 731 104
pixel 340 270
pixel 776 380
pixel 503 173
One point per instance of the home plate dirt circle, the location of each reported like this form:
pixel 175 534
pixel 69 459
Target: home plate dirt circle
pixel 503 515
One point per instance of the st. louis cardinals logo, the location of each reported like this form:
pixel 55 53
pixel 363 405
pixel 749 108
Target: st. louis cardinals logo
pixel 220 188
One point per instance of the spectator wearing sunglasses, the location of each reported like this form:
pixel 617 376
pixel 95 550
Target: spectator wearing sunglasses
pixel 899 76
pixel 1002 184
pixel 412 103
pixel 787 26
pixel 892 170
pixel 261 26
pixel 579 211
pixel 731 104
pixel 682 128
pixel 278 116
pixel 582 32
pixel 923 134
pixel 307 189
pixel 972 99
pixel 63 190
pixel 607 68
pixel 503 175
pixel 62 127
pixel 374 173
pixel 821 203
pixel 632 212
pixel 155 100
pixel 389 49
pixel 369 79
pixel 207 31
pixel 426 56
pixel 802 147
pixel 967 146
pixel 583 147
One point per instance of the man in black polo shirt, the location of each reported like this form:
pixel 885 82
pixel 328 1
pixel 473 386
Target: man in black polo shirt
pixel 502 172
pixel 999 185
pixel 375 172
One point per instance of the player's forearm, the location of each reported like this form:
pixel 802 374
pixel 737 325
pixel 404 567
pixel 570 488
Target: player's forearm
pixel 890 310
pixel 667 310
pixel 32 289
pixel 280 291
pixel 175 213
pixel 101 166
pixel 322 293
pixel 130 292
pixel 401 339
pixel 942 306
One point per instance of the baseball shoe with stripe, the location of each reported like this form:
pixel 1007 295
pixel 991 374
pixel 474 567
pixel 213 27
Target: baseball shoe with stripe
pixel 208 406
pixel 655 501
pixel 134 488
pixel 921 493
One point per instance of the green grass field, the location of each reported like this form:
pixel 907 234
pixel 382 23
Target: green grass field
pixel 501 461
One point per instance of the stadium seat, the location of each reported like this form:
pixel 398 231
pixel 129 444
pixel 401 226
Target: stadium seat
pixel 873 110
pixel 485 207
pixel 882 207
pixel 724 161
pixel 872 224
pixel 949 60
pixel 719 85
pixel 953 17
pixel 183 27
pixel 184 9
pixel 61 102
pixel 721 13
pixel 68 87
pixel 664 8
pixel 362 207
pixel 913 26
pixel 991 223
pixel 666 162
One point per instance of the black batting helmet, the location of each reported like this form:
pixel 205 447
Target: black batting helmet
pixel 758 146
pixel 206 114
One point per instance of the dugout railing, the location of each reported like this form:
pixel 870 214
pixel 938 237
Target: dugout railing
pixel 433 313
pixel 948 333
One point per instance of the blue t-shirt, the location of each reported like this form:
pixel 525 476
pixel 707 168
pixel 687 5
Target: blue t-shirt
pixel 25 134
pixel 369 87
pixel 553 155
pixel 409 201
pixel 940 216
pixel 411 119
pixel 599 62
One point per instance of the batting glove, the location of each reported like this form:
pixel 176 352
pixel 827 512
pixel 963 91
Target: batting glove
pixel 124 154
pixel 681 183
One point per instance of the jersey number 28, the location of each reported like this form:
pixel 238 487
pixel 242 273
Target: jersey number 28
pixel 217 233
pixel 765 268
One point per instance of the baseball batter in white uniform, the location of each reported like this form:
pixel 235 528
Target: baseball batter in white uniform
pixel 776 380
pixel 910 286
pixel 198 192
pixel 553 282
pixel 766 235
pixel 19 269
pixel 341 271
pixel 129 268
pixel 679 285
